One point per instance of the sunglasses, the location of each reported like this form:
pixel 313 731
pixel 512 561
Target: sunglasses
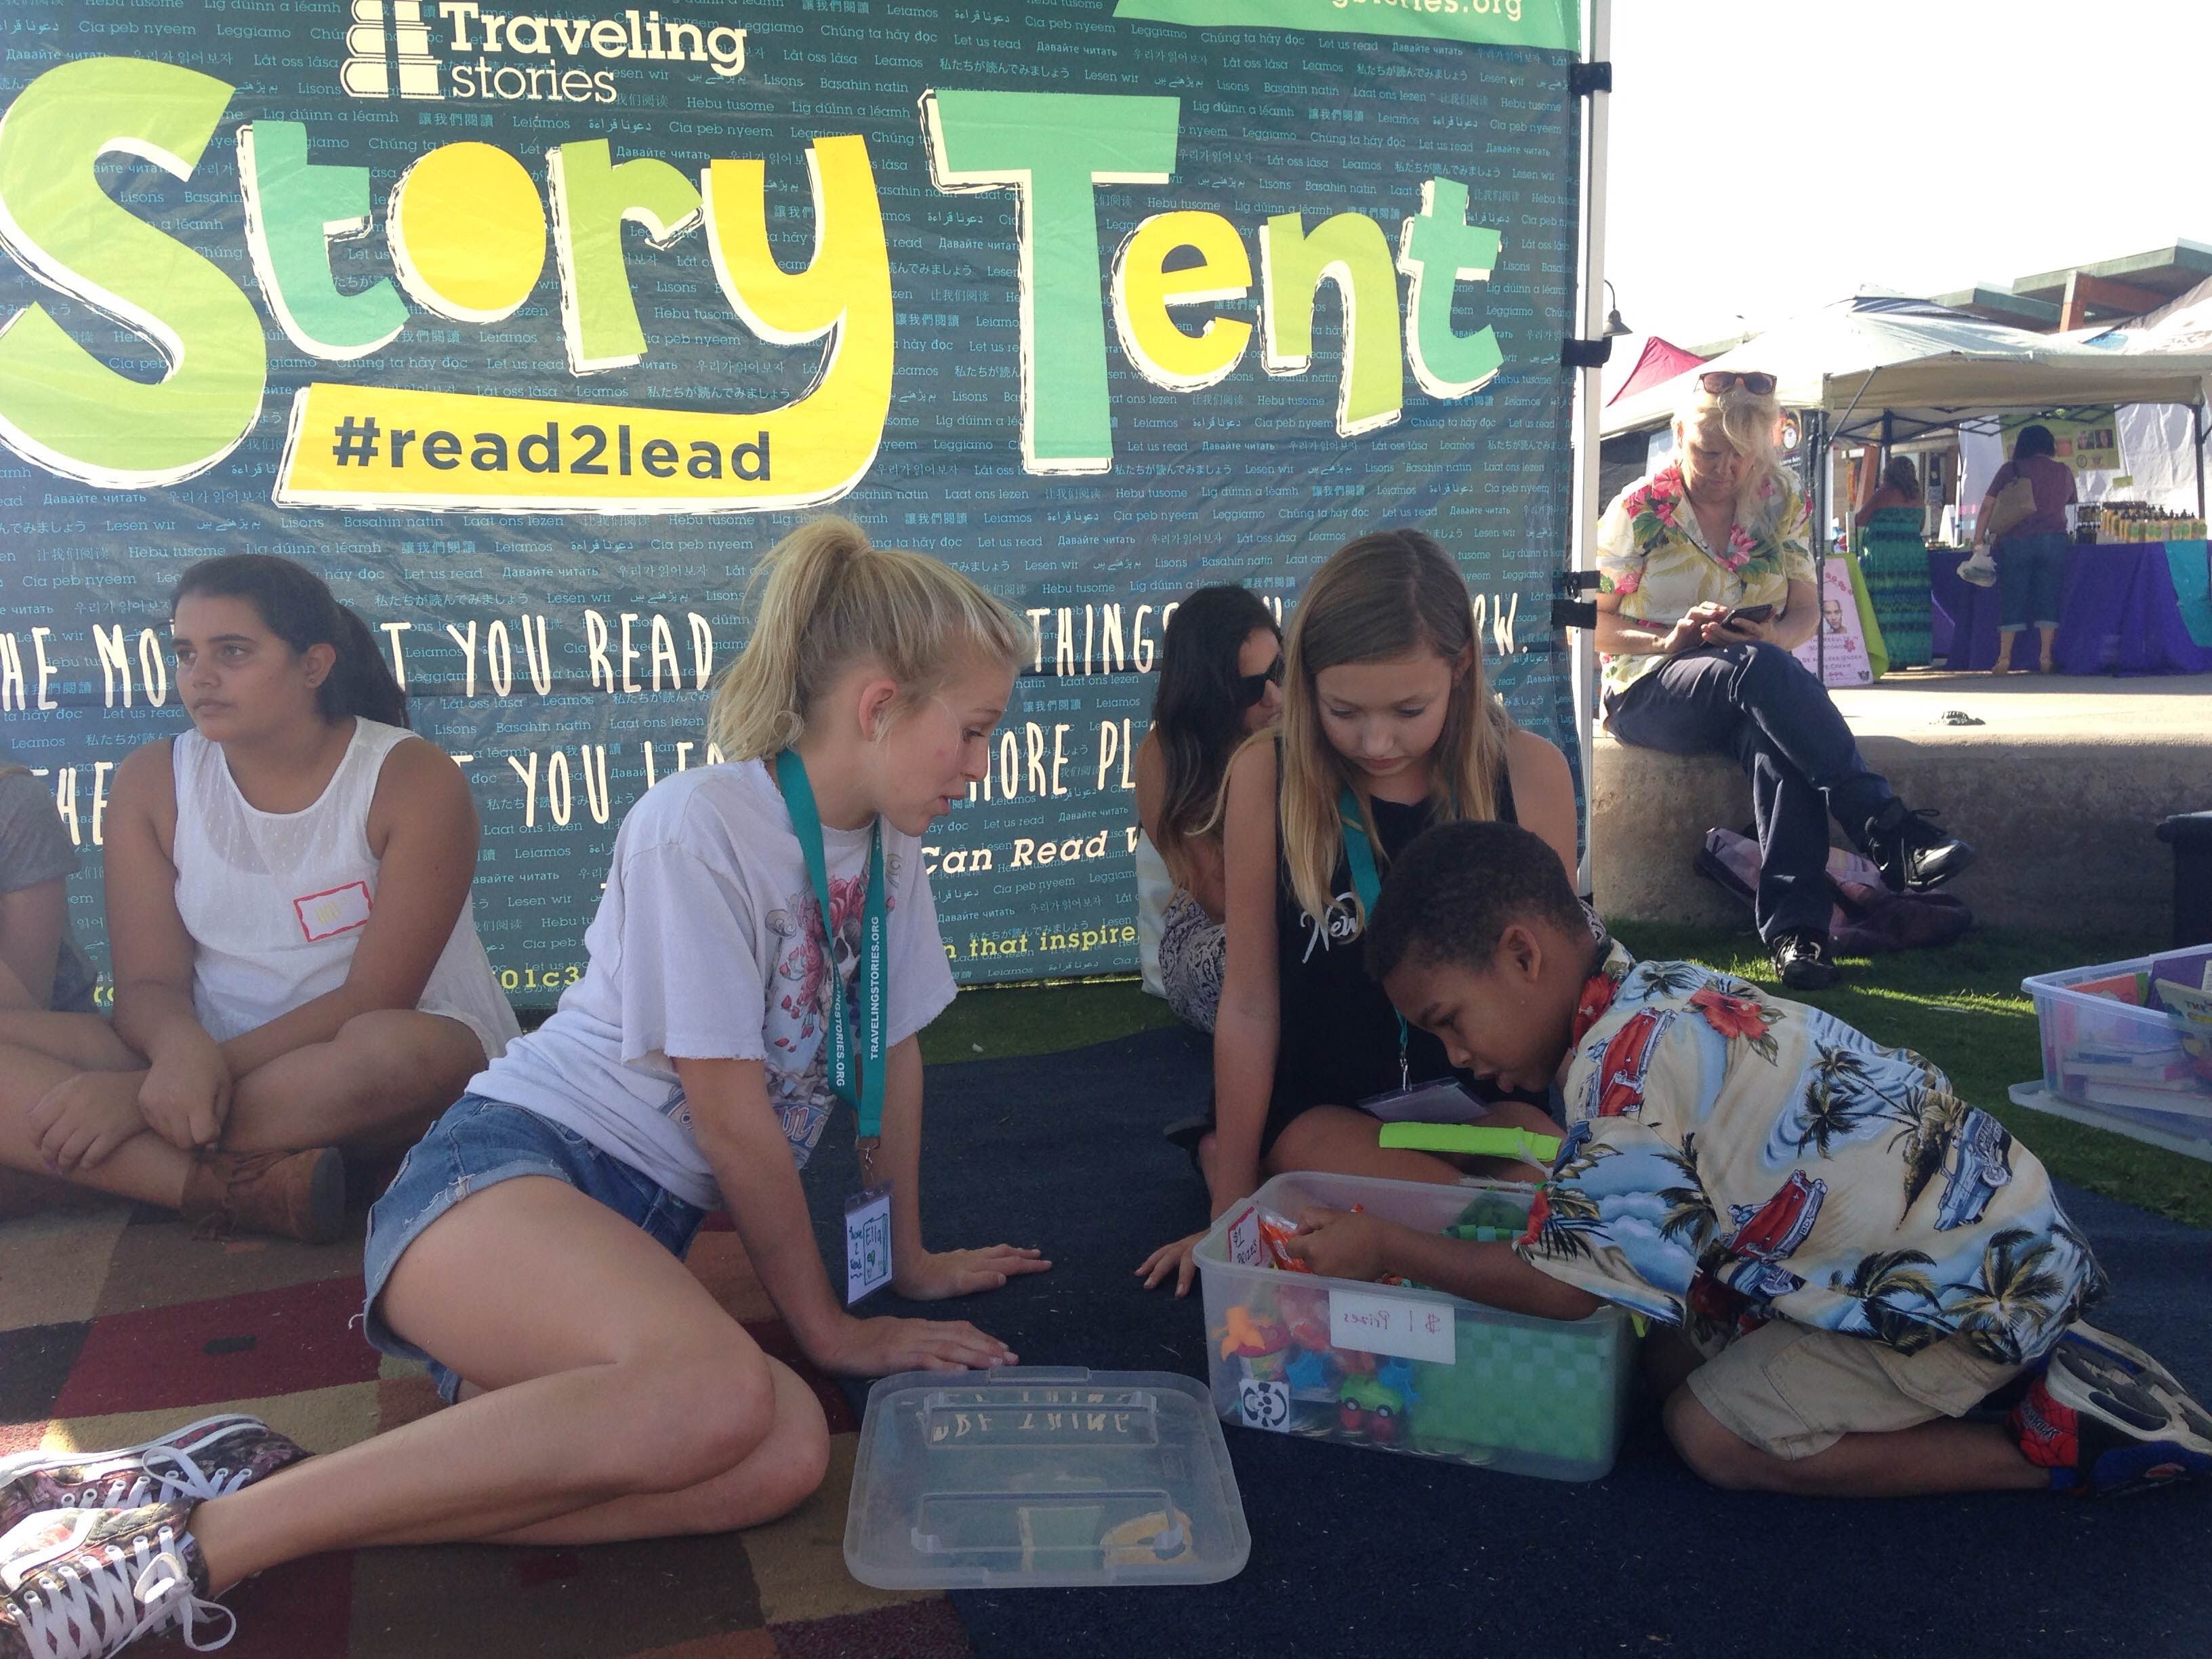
pixel 1251 687
pixel 1721 379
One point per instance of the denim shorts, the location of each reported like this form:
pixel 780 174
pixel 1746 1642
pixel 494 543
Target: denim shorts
pixel 480 1143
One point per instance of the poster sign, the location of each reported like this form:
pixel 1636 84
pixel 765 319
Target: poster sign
pixel 1842 637
pixel 530 332
pixel 2087 440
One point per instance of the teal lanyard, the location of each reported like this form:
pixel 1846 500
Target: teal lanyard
pixel 806 824
pixel 1368 885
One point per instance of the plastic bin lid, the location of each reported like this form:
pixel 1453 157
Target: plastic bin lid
pixel 1031 1476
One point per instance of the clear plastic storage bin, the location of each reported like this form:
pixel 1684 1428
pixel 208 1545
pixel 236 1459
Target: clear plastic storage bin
pixel 1405 1369
pixel 2132 1068
pixel 1032 1477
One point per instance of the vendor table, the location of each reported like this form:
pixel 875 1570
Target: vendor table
pixel 2127 608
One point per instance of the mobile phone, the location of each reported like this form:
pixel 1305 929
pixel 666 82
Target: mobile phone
pixel 1750 613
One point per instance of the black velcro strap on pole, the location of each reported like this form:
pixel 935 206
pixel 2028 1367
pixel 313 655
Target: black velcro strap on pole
pixel 1584 79
pixel 1585 354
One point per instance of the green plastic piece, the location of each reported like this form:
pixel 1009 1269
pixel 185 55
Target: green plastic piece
pixel 1473 1138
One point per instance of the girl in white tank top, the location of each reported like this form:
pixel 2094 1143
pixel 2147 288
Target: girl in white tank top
pixel 297 967
pixel 275 903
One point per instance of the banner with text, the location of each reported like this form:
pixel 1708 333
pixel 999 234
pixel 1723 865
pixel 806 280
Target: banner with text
pixel 532 332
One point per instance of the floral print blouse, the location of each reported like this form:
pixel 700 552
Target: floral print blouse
pixel 1733 1157
pixel 1651 551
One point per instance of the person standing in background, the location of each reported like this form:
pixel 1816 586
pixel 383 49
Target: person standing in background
pixel 2031 553
pixel 1893 559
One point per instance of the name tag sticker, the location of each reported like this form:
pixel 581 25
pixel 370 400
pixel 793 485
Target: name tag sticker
pixel 1244 1238
pixel 1371 1323
pixel 333 911
pixel 867 1242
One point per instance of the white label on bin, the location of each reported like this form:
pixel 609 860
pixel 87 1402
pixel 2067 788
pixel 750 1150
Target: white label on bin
pixel 1264 1405
pixel 1245 1238
pixel 1370 1323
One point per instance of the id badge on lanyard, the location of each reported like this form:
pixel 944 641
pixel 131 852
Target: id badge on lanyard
pixel 868 1212
pixel 1442 1101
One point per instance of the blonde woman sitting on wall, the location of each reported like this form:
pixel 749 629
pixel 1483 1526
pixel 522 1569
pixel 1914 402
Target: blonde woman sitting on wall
pixel 1707 587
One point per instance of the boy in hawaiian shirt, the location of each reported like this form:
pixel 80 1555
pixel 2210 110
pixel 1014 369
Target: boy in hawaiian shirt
pixel 1852 1260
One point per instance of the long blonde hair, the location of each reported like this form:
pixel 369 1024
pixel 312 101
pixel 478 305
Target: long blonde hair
pixel 1385 595
pixel 1751 423
pixel 826 599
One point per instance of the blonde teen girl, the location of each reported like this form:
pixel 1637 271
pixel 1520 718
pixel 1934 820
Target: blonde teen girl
pixel 530 1247
pixel 1383 701
pixel 296 964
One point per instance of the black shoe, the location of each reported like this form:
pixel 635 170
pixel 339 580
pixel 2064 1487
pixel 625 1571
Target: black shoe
pixel 1911 852
pixel 1802 962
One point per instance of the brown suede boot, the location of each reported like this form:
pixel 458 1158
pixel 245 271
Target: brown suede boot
pixel 292 1194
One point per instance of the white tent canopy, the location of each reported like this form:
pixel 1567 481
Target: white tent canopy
pixel 1928 366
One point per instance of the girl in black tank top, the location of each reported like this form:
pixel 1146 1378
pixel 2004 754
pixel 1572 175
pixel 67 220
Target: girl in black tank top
pixel 1382 698
pixel 1339 1042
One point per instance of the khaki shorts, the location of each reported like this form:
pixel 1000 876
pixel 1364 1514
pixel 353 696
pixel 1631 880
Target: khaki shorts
pixel 1792 1390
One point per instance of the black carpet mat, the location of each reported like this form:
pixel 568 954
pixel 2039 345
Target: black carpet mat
pixel 1365 1552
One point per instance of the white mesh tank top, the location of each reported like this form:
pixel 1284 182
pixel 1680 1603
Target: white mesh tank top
pixel 276 902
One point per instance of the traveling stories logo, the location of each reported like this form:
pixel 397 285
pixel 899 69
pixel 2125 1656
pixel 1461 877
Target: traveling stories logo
pixel 395 49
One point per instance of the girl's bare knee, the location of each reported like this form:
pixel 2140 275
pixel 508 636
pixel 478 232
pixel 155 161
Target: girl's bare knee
pixel 693 1417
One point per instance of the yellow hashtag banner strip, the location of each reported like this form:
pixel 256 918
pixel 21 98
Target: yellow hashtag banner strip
pixel 445 452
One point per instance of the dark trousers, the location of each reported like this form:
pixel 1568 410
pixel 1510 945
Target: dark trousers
pixel 1759 703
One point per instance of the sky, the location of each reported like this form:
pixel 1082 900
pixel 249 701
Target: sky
pixel 1769 157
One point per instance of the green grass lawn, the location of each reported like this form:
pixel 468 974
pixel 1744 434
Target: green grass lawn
pixel 1961 1007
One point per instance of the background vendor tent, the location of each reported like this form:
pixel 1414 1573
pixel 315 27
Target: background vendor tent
pixel 1659 361
pixel 1927 367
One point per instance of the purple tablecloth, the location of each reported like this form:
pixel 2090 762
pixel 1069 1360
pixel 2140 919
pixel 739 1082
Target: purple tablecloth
pixel 2118 614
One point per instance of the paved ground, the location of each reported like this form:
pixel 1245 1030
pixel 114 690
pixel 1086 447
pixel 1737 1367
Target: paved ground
pixel 2033 708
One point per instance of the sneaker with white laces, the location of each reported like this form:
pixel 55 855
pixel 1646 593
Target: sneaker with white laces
pixel 202 1460
pixel 2105 1419
pixel 86 1583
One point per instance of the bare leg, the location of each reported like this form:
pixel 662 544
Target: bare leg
pixel 2005 637
pixel 376 1086
pixel 2046 642
pixel 144 1168
pixel 621 1401
pixel 1946 1456
pixel 83 1043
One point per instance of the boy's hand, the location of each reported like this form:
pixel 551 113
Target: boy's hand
pixel 943 1273
pixel 1339 1244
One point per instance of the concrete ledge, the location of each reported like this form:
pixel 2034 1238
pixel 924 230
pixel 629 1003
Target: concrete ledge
pixel 2060 791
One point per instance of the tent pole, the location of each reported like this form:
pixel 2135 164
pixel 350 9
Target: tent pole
pixel 1582 535
pixel 2197 427
pixel 1816 451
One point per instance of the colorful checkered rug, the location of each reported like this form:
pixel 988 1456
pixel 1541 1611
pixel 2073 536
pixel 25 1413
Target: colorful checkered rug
pixel 117 1323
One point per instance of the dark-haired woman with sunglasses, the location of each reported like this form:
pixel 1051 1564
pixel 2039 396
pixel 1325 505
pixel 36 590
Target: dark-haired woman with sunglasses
pixel 1221 679
pixel 1706 588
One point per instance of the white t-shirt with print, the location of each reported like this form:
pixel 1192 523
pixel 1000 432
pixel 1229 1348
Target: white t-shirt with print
pixel 707 945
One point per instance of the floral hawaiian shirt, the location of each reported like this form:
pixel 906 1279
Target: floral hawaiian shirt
pixel 1651 551
pixel 1733 1157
